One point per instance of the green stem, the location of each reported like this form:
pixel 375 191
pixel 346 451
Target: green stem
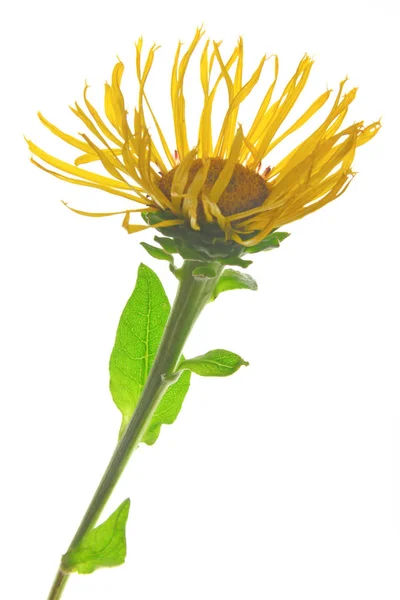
pixel 193 294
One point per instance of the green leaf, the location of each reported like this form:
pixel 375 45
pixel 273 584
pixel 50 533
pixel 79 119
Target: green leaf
pixel 216 363
pixel 157 252
pixel 273 240
pixel 103 546
pixel 234 280
pixel 138 337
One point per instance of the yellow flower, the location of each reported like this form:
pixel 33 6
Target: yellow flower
pixel 220 179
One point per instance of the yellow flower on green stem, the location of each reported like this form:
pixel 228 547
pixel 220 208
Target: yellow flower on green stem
pixel 218 177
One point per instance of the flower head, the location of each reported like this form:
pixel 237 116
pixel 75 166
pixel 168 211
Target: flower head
pixel 217 178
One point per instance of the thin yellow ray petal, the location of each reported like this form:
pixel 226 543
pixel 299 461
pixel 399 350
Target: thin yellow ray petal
pixel 226 129
pixel 84 159
pixel 157 159
pixel 129 160
pixel 180 179
pixel 306 116
pixel 114 103
pixel 327 158
pixel 140 198
pixel 162 139
pixel 130 228
pixel 314 192
pixel 87 122
pixel 212 210
pixel 337 191
pixel 139 47
pixel 85 213
pixel 190 198
pixel 106 162
pixel 272 123
pixel 226 174
pixel 146 173
pixel 65 136
pixel 205 129
pixel 204 69
pixel 368 133
pixel 177 96
pixel 305 148
pixel 262 111
pixel 67 168
pixel 229 125
pixel 99 121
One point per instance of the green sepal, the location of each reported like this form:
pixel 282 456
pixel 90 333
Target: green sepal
pixel 235 261
pixel 157 253
pixel 216 363
pixel 234 280
pixel 209 243
pixel 103 546
pixel 273 240
pixel 138 337
pixel 168 244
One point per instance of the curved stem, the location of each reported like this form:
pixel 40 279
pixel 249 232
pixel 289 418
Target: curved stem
pixel 193 294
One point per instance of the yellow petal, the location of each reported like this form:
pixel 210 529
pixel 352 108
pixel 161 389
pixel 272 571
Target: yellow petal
pixel 253 134
pixel 272 121
pixel 226 174
pixel 64 136
pixel 139 198
pixel 239 95
pixel 310 112
pixel 190 198
pixel 177 97
pixel 108 214
pixel 82 173
pixel 205 128
pixel 180 179
pixel 130 228
pixel 84 159
pixel 106 161
pixel 99 121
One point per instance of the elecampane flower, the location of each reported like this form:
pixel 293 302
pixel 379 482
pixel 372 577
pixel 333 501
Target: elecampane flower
pixel 220 179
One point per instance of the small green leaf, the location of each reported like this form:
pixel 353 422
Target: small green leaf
pixel 104 546
pixel 138 337
pixel 216 363
pixel 158 253
pixel 234 280
pixel 204 272
pixel 273 240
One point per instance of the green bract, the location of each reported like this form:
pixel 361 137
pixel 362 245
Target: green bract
pixel 206 244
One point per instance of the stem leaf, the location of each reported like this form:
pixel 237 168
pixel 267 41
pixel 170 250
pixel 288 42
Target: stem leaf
pixel 216 363
pixel 234 280
pixel 103 546
pixel 138 337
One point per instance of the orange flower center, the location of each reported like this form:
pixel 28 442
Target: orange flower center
pixel 245 190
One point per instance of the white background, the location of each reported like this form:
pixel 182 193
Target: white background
pixel 279 483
